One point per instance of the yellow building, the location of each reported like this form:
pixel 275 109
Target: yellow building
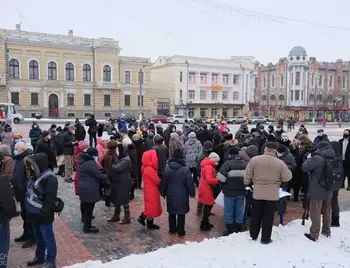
pixel 55 75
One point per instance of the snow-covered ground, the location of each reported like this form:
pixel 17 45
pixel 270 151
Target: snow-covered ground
pixel 290 249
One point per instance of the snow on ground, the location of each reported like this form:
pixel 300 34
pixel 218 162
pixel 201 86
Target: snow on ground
pixel 290 249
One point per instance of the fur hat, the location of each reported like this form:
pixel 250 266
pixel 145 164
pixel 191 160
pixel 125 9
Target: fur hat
pixel 111 145
pixel 174 135
pixel 136 137
pixel 271 145
pixel 215 157
pixel 192 135
pixel 105 137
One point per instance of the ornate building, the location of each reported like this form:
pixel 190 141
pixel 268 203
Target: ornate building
pixel 304 88
pixel 70 76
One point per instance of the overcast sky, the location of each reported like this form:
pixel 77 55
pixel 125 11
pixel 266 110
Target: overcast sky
pixel 206 28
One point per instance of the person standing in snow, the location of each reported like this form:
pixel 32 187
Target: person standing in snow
pixel 266 172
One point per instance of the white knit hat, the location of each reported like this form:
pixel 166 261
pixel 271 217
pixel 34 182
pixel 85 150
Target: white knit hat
pixel 215 157
pixel 105 137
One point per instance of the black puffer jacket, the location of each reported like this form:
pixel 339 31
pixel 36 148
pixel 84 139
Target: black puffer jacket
pixel 19 178
pixel 68 146
pixel 43 146
pixel 231 177
pixel 7 202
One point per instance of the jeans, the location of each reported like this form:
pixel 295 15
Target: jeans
pixel 234 209
pixel 4 242
pixel 87 210
pixel 92 138
pixel 45 241
pixel 335 204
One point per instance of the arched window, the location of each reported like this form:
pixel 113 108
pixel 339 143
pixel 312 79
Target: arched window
pixel 14 68
pixel 52 71
pixel 319 97
pixel 311 98
pixel 263 97
pixel 330 98
pixel 272 98
pixel 264 81
pixel 281 97
pixel 33 70
pixel 69 72
pixel 86 73
pixel 107 73
pixel 343 100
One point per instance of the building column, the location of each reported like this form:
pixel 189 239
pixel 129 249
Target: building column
pixel 45 98
pixel 61 98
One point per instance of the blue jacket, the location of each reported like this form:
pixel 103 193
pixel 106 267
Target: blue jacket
pixel 19 178
pixel 177 186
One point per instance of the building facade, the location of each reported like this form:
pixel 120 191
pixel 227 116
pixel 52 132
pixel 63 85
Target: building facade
pixel 69 76
pixel 203 87
pixel 301 87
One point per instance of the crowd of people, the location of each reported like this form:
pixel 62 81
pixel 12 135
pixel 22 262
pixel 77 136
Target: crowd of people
pixel 171 163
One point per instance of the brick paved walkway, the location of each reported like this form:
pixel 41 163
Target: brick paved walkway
pixel 115 241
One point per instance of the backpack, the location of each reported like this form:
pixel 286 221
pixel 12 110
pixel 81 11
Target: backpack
pixel 333 175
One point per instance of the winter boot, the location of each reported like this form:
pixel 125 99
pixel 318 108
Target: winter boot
pixel 116 216
pixel 126 219
pixel 142 219
pixel 205 226
pixel 335 221
pixel 229 229
pixel 108 201
pixel 22 238
pixel 91 229
pixel 36 261
pixel 49 265
pixel 238 228
pixel 199 209
pixel 151 225
pixel 29 243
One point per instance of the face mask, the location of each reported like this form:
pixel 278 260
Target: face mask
pixel 279 154
pixel 261 130
pixel 15 153
pixel 35 126
pixel 95 158
pixel 279 129
pixel 48 137
pixel 54 130
pixel 173 129
pixel 151 135
pixel 114 132
pixel 73 132
pixel 320 134
pixel 17 141
pixel 346 136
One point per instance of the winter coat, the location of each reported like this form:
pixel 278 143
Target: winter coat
pixel 77 151
pixel 166 134
pixel 288 159
pixel 192 148
pixel 204 135
pixel 59 143
pixel 133 159
pixel 19 178
pixel 207 181
pixel 151 182
pixel 92 124
pixel 278 134
pixel 7 137
pixel 101 148
pixel 266 172
pixel 7 166
pixel 7 202
pixel 34 135
pixel 44 147
pixel 177 186
pixel 149 143
pixel 80 132
pixel 315 167
pixel 162 155
pixel 107 161
pixel 90 178
pixel 347 152
pixel 184 137
pixel 68 146
pixel 318 139
pixel 121 181
pixel 231 177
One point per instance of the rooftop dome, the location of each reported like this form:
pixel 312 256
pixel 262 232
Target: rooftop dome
pixel 339 60
pixel 298 51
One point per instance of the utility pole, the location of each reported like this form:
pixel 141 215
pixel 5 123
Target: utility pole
pixel 94 77
pixel 268 89
pixel 243 69
pixel 187 93
pixel 140 93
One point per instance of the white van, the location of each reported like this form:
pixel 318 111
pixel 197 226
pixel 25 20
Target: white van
pixel 17 117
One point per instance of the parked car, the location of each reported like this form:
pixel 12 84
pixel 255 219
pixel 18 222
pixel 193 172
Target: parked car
pixel 252 120
pixel 128 118
pixel 159 118
pixel 176 119
pixel 271 119
pixel 260 119
pixel 239 120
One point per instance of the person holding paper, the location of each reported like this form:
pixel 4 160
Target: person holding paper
pixel 266 172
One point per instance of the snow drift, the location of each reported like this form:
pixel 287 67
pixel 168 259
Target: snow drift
pixel 290 249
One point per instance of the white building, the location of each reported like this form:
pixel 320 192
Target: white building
pixel 203 87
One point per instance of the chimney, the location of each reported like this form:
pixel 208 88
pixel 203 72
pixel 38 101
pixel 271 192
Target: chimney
pixel 70 33
pixel 18 27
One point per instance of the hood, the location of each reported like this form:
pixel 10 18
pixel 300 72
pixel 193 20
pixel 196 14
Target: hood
pixel 150 159
pixel 191 140
pixel 101 143
pixel 176 162
pixel 207 162
pixel 39 161
pixel 286 152
pixel 336 146
pixel 7 128
pixel 326 152
pixel 83 157
pixel 252 150
pixel 244 156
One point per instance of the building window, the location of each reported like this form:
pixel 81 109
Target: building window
pixel 71 115
pixel 15 98
pixel 214 95
pixel 319 97
pixel 127 100
pixel 140 76
pixel 281 97
pixel 203 95
pixel 225 79
pixel 127 77
pixel 181 77
pixel 235 96
pixel 14 69
pixel 263 98
pixel 108 114
pixel 191 94
pixel 214 78
pixel 107 100
pixel 191 78
pixel 291 95
pixel 297 95
pixel 224 95
pixel 330 81
pixel 344 82
pixel 236 79
pixel 34 99
pixel 281 82
pixel 87 99
pixel 272 98
pixel 70 99
pixel 69 72
pixel 297 78
pixel 203 112
pixel 52 71
pixel 191 112
pixel 320 79
pixel 339 82
pixel 86 73
pixel 107 74
pixel 264 82
pixel 138 100
pixel 312 79
pixel 203 77
pixel 329 98
pixel 273 81
pixel 225 112
pixel 181 94
pixel 214 112
pixel 292 78
pixel 33 70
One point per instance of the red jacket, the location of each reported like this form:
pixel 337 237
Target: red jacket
pixel 208 179
pixel 151 182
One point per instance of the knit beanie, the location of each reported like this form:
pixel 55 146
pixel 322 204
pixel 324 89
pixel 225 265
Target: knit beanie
pixel 92 151
pixel 322 144
pixel 83 145
pixel 192 135
pixel 208 145
pixel 252 151
pixel 215 157
pixel 111 145
pixel 136 137
pixel 105 137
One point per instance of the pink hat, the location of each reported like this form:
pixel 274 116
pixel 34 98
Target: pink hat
pixel 83 145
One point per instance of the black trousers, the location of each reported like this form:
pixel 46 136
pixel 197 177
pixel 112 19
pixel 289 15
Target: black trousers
pixel 193 171
pixel 263 216
pixel 28 231
pixel 87 210
pixel 346 173
pixel 92 138
pixel 206 214
pixel 177 223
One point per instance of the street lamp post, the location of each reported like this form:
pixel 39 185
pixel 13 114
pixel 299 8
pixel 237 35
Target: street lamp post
pixel 187 93
pixel 243 70
pixel 140 93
